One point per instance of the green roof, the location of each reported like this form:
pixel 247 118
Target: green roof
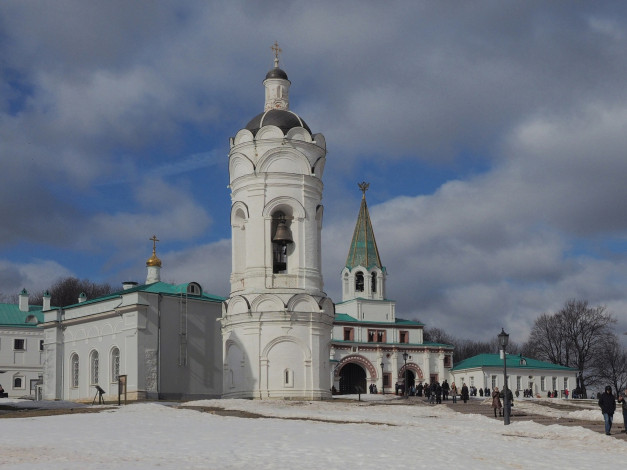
pixel 513 362
pixel 363 250
pixel 11 315
pixel 343 317
pixel 153 288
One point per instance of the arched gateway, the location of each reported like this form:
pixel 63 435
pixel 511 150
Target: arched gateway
pixel 354 373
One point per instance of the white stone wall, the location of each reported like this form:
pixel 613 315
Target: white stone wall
pixel 26 364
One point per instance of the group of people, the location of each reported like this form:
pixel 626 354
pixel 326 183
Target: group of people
pixel 607 403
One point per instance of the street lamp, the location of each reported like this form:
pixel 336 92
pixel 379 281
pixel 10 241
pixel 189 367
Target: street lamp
pixel 405 355
pixel 503 340
pixel 382 377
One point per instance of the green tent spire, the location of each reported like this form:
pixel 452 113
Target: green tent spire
pixel 363 250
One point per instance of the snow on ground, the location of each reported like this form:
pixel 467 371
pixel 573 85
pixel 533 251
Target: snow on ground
pixel 364 435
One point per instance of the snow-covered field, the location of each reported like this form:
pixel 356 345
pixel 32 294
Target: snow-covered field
pixel 327 435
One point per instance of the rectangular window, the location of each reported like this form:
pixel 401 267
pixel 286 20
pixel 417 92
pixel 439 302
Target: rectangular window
pixel 493 382
pixel 554 383
pixel 18 383
pixel 542 384
pixel 518 380
pixel 403 336
pixel 472 381
pixel 447 361
pixel 565 383
pixel 19 344
pixel 376 336
pixel 349 334
pixel 41 344
pixel 386 379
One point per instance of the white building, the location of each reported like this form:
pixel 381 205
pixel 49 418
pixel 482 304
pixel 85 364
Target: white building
pixel 369 341
pixel 276 324
pixel 164 338
pixel 21 346
pixel 524 373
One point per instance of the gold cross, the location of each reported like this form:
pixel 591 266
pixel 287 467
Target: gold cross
pixel 154 243
pixel 277 50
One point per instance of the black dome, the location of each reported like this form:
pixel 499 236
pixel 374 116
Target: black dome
pixel 284 120
pixel 276 73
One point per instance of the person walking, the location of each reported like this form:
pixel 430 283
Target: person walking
pixel 454 392
pixel 496 402
pixel 464 393
pixel 608 406
pixel 623 401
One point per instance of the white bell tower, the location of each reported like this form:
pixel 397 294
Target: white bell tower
pixel 277 322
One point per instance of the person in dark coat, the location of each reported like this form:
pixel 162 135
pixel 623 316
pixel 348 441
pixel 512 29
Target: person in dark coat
pixel 465 393
pixel 622 399
pixel 608 406
pixel 419 389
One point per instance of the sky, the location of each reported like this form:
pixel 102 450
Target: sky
pixel 492 135
pixel 304 435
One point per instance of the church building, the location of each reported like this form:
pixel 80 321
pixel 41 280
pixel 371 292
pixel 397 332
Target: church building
pixel 277 321
pixel 158 340
pixel 371 345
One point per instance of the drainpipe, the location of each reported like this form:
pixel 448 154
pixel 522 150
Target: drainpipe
pixel 159 346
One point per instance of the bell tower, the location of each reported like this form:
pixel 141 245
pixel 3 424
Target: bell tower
pixel 277 322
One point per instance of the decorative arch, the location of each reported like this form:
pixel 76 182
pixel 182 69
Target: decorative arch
pixel 356 359
pixel 282 339
pixel 285 204
pixel 240 165
pixel 267 303
pixel 242 136
pixel 239 213
pixel 302 303
pixel 415 368
pixel 327 306
pixel 319 140
pixel 299 133
pixel 269 132
pixel 237 304
pixel 281 160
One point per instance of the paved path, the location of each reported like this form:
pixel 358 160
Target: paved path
pixel 475 406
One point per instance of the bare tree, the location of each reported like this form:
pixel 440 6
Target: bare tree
pixel 66 291
pixel 572 337
pixel 610 364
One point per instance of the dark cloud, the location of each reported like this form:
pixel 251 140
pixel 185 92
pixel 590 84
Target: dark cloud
pixel 111 112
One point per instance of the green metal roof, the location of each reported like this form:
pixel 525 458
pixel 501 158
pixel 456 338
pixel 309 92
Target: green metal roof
pixel 363 250
pixel 154 288
pixel 513 362
pixel 425 343
pixel 343 317
pixel 11 315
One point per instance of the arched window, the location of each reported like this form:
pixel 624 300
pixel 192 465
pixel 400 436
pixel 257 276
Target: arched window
pixel 373 282
pixel 115 364
pixel 346 283
pixel 94 363
pixel 359 282
pixel 74 371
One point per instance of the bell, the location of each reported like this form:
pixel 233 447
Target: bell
pixel 283 235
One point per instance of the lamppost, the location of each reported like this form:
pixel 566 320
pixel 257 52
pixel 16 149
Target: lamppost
pixel 382 378
pixel 405 355
pixel 503 340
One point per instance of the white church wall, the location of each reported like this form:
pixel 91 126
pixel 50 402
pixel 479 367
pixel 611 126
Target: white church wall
pixel 21 366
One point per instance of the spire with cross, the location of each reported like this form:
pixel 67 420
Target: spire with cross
pixel 277 50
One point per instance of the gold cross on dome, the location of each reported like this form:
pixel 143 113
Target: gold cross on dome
pixel 277 50
pixel 154 243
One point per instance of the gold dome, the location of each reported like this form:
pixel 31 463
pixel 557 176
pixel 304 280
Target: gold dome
pixel 153 260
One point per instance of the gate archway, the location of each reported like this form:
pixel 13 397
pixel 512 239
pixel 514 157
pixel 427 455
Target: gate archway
pixel 352 379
